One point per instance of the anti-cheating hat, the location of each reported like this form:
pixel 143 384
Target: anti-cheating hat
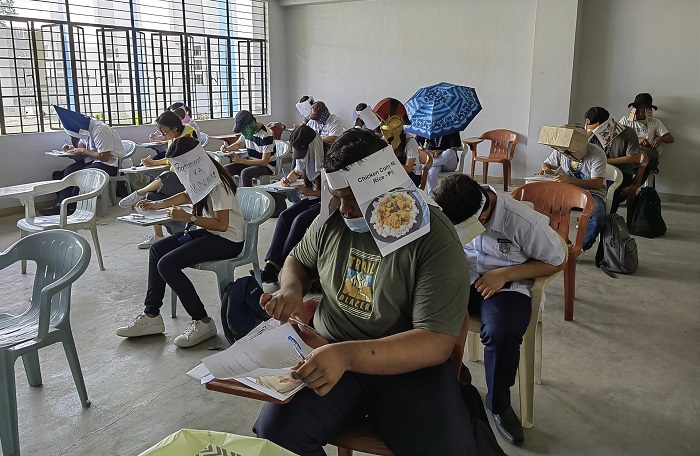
pixel 642 101
pixel 300 139
pixel 243 119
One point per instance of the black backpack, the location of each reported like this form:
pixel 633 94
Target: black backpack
pixel 240 308
pixel 617 251
pixel 486 443
pixel 646 220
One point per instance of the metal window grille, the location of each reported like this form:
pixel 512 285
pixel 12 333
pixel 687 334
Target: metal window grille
pixel 126 61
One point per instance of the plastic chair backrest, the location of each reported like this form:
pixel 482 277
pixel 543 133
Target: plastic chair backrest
pixel 503 143
pixel 612 173
pixel 203 139
pixel 277 129
pixel 556 200
pixel 90 181
pixel 282 149
pixel 427 161
pixel 256 206
pixel 61 257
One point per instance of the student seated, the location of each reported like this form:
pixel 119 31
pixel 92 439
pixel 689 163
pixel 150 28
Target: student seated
pixel 259 145
pixel 517 246
pixel 445 158
pixel 183 112
pixel 327 125
pixel 100 147
pixel 618 142
pixel 390 340
pixel 215 231
pixel 651 132
pixel 581 164
pixel 366 119
pixel 292 223
pixel 166 184
pixel 405 147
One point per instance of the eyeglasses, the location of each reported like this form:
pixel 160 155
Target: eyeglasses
pixel 164 133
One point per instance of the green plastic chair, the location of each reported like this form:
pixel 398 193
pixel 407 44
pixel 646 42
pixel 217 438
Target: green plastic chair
pixel 61 257
pixel 257 206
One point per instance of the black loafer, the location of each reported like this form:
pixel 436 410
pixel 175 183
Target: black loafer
pixel 508 425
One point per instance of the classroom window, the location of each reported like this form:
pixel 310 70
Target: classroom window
pixel 125 61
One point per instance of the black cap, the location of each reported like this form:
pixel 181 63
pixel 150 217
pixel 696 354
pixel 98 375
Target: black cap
pixel 596 115
pixel 300 139
pixel 642 101
pixel 243 119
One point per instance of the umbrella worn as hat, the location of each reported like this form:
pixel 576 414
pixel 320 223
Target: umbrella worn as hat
pixel 441 109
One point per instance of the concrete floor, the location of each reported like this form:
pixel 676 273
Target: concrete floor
pixel 620 379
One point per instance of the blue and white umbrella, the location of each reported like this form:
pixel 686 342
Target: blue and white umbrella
pixel 441 109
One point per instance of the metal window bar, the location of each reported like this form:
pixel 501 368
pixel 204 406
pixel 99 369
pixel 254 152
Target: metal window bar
pixel 111 72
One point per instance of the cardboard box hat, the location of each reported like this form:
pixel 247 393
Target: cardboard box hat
pixel 571 138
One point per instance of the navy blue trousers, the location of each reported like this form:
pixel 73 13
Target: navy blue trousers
pixel 504 320
pixel 291 226
pixel 418 413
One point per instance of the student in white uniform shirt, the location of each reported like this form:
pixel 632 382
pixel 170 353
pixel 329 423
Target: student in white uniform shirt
pixel 517 247
pixel 327 125
pixel 652 133
pixel 215 231
pixel 405 147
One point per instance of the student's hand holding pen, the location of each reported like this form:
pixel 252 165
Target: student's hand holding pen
pixel 323 368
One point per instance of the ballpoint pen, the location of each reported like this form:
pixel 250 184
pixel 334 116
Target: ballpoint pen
pixel 296 347
pixel 303 325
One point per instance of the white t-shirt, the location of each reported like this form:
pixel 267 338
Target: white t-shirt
pixel 412 152
pixel 104 138
pixel 649 129
pixel 220 199
pixel 332 127
pixel 592 166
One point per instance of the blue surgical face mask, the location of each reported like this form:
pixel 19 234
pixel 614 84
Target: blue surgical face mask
pixel 358 225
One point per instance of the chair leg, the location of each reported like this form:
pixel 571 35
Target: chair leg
pixel 485 167
pixel 103 197
pixel 538 351
pixel 506 176
pixel 473 346
pixel 74 363
pixel 526 379
pixel 173 304
pixel 344 452
pixel 98 251
pixel 23 263
pixel 9 429
pixel 473 165
pixel 32 368
pixel 112 185
pixel 569 288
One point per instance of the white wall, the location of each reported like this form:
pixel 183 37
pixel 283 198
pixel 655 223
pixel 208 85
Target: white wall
pixel 632 46
pixel 23 159
pixel 363 51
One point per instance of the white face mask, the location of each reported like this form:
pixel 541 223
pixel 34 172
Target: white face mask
pixel 358 225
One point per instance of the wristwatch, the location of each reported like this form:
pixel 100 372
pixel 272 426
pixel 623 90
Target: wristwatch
pixel 193 218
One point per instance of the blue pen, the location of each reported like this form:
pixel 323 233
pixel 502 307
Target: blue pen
pixel 296 347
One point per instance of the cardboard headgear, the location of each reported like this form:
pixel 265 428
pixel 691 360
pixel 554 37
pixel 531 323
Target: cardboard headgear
pixel 571 138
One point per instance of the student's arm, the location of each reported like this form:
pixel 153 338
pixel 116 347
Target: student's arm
pixel 316 191
pixel 667 138
pixel 175 200
pixel 397 354
pixel 238 145
pixel 409 164
pixel 595 183
pixel 219 222
pixel 550 164
pixel 101 156
pixel 235 158
pixel 492 281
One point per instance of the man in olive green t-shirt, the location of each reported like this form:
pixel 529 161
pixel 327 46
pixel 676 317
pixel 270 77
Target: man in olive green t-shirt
pixel 392 322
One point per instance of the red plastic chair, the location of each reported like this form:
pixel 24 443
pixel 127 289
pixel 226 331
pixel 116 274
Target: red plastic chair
pixel 503 144
pixel 556 200
pixel 427 161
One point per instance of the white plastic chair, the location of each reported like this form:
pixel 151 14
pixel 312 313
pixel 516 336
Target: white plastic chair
pixel 257 206
pixel 61 258
pixel 92 183
pixel 530 367
pixel 282 149
pixel 203 139
pixel 612 173
pixel 129 149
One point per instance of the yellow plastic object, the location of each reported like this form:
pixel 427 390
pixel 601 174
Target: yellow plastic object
pixel 189 442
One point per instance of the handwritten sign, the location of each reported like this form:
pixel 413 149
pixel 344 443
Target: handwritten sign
pixel 197 173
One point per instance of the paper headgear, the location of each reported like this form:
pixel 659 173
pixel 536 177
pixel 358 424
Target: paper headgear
pixel 369 118
pixel 304 107
pixel 197 173
pixel 75 124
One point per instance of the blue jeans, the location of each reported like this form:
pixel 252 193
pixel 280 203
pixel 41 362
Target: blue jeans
pixel 595 223
pixel 291 226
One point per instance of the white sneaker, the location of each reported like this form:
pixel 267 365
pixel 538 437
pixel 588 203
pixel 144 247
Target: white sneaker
pixel 131 200
pixel 143 325
pixel 149 241
pixel 196 331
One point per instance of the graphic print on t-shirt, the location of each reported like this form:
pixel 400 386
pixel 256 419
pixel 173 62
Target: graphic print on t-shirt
pixel 577 170
pixel 355 296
